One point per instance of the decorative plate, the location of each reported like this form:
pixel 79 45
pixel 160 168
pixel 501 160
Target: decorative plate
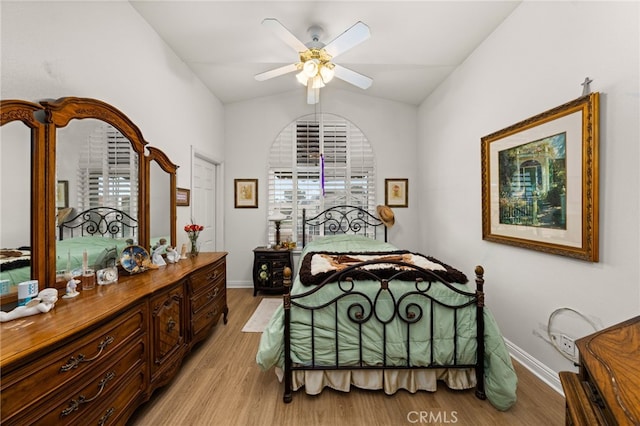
pixel 134 259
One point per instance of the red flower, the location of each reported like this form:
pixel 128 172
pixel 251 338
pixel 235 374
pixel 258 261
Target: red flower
pixel 193 230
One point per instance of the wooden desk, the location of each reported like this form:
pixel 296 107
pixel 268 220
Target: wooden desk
pixel 606 391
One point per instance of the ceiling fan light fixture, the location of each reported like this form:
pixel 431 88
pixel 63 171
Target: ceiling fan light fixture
pixel 317 82
pixel 327 72
pixel 302 78
pixel 310 67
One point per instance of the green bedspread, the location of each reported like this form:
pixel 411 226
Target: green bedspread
pixel 500 378
pixel 71 250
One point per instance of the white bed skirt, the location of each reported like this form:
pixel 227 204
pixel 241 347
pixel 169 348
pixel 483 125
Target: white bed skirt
pixel 389 380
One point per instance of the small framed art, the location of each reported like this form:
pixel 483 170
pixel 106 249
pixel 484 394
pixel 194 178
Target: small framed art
pixel 396 192
pixel 62 194
pixel 246 193
pixel 183 197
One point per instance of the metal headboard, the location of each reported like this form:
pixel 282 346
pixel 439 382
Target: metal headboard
pixel 100 221
pixel 342 219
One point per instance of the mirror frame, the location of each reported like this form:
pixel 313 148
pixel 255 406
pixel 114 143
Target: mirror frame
pixel 58 114
pixel 165 164
pixel 17 110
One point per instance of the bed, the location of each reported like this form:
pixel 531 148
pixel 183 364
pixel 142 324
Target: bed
pixel 100 231
pixel 361 312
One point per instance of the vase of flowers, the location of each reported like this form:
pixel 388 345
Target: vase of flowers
pixel 193 231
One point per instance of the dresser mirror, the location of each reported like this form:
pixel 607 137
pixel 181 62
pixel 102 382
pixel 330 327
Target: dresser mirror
pixel 22 192
pixel 161 193
pixel 78 166
pixel 99 155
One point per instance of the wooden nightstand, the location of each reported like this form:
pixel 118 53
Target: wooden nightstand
pixel 268 265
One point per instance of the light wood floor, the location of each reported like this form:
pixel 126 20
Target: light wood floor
pixel 221 384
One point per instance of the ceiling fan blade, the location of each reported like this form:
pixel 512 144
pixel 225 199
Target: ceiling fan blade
pixel 355 35
pixel 276 72
pixel 313 95
pixel 284 34
pixel 357 79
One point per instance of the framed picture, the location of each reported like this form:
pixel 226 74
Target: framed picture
pixel 540 181
pixel 183 197
pixel 62 194
pixel 246 193
pixel 396 192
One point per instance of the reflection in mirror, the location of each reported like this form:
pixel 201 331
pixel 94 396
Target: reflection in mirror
pixel 98 213
pixel 161 183
pixel 15 204
pixel 159 204
pixel 23 193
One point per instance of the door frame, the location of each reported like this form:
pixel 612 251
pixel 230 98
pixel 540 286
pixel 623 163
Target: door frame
pixel 219 198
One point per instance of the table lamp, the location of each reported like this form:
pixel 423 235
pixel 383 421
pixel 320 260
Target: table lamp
pixel 277 219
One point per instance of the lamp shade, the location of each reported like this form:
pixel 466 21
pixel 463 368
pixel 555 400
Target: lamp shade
pixel 310 67
pixel 327 73
pixel 277 217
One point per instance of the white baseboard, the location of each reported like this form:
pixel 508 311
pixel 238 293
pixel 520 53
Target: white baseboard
pixel 543 372
pixel 239 284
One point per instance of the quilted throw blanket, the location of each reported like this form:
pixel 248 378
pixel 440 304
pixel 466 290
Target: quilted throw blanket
pixel 318 266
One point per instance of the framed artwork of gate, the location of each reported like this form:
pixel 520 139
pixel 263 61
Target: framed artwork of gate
pixel 540 181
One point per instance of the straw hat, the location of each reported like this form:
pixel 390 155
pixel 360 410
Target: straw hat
pixel 386 215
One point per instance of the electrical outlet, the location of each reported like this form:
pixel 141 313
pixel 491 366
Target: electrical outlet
pixel 567 345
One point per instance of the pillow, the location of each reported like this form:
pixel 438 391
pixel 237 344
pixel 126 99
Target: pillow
pixel 107 258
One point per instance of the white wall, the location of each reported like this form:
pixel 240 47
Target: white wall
pixel 534 61
pixel 106 51
pixel 252 126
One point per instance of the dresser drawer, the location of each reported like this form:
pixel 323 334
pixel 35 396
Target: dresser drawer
pixel 123 403
pixel 208 276
pixel 211 295
pixel 73 405
pixel 65 365
pixel 207 318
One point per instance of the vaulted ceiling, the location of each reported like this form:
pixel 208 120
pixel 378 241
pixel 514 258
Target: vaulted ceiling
pixel 414 45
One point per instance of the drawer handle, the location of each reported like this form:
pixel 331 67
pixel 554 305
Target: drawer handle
pixel 212 314
pixel 171 324
pixel 212 276
pixel 213 294
pixel 74 362
pixel 74 404
pixel 104 419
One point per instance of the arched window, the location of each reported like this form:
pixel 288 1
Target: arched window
pixel 318 161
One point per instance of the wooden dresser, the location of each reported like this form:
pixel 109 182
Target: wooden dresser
pixel 606 391
pixel 95 358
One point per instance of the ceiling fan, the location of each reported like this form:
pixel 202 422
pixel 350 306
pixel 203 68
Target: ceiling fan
pixel 316 67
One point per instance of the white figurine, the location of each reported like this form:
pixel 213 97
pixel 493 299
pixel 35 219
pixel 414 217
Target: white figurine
pixel 72 285
pixel 156 256
pixel 172 255
pixel 43 303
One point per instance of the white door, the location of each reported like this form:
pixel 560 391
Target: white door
pixel 203 201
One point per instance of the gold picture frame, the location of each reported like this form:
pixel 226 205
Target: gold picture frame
pixel 245 193
pixel 396 192
pixel 62 194
pixel 540 181
pixel 183 197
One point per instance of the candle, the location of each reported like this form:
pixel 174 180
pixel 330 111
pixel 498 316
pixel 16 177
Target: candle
pixel 85 261
pixel 69 262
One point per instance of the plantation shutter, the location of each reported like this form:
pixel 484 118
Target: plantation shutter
pixel 108 172
pixel 296 172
